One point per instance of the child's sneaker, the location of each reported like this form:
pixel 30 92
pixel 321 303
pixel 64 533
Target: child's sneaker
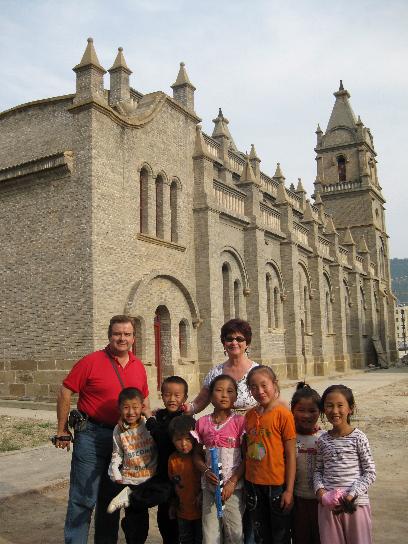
pixel 120 501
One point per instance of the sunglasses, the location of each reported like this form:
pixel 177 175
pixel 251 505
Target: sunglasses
pixel 239 339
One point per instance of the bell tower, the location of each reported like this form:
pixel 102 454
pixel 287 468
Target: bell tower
pixel 347 181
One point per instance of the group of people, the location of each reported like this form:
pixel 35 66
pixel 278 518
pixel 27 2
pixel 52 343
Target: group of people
pixel 278 477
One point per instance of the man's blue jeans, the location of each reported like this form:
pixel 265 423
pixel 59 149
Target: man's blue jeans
pixel 90 485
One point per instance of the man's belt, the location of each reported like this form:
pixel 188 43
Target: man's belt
pixel 100 424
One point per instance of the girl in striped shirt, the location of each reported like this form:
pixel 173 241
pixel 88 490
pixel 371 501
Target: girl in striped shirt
pixel 344 471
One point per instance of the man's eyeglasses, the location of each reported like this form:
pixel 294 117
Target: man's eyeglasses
pixel 239 339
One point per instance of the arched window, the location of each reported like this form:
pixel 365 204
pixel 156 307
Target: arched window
pixel 237 294
pixel 341 168
pixel 226 295
pixel 159 207
pixel 173 212
pixel 183 338
pixel 268 300
pixel 143 197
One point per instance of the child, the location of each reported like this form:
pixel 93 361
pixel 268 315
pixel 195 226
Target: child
pixel 305 407
pixel 344 463
pixel 223 430
pixel 270 459
pixel 186 480
pixel 174 391
pixel 134 460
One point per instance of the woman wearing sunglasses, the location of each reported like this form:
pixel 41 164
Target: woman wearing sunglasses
pixel 236 336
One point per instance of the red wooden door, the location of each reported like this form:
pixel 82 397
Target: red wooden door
pixel 157 350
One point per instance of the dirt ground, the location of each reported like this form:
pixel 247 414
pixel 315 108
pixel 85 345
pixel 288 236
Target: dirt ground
pixel 37 518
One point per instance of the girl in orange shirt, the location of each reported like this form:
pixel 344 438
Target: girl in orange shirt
pixel 270 459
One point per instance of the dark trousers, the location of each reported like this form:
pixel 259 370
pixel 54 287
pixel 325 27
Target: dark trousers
pixel 135 525
pixel 90 485
pixel 305 528
pixel 190 531
pixel 168 527
pixel 271 523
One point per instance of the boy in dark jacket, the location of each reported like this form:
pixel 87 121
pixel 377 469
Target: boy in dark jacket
pixel 158 489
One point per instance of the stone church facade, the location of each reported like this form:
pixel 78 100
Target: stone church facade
pixel 116 202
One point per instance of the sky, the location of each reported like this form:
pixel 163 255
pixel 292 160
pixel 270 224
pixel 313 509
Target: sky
pixel 271 65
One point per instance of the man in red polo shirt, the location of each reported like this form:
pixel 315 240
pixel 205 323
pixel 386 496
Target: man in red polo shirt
pixel 97 380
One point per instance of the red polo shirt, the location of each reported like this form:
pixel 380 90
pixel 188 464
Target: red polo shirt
pixel 94 378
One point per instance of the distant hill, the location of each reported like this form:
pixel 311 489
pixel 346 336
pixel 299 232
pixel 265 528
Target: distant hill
pixel 399 278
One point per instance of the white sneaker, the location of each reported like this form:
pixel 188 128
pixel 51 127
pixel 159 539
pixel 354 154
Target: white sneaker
pixel 120 501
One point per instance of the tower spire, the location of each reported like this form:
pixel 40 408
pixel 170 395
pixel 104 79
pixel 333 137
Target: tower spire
pixel 89 76
pixel 89 58
pixel 183 89
pixel 342 114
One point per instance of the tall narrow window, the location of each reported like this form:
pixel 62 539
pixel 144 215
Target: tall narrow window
pixel 362 312
pixel 276 298
pixel 159 207
pixel 268 301
pixel 173 212
pixel 237 292
pixel 341 168
pixel 347 308
pixel 143 197
pixel 226 296
pixel 183 338
pixel 306 307
pixel 327 312
pixel 138 346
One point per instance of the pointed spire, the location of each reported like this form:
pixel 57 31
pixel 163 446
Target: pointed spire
pixel 183 89
pixel 247 173
pixel 318 130
pixel 348 239
pixel 182 77
pixel 318 199
pixel 300 188
pixel 221 129
pixel 200 148
pixel 120 62
pixel 90 57
pixel 308 213
pixel 362 245
pixel 278 175
pixel 292 187
pixel 252 155
pixel 330 227
pixel 281 195
pixel 359 122
pixel 342 113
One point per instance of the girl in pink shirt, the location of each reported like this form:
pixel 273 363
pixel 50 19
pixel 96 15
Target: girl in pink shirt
pixel 223 429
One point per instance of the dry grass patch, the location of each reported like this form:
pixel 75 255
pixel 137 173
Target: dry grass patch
pixel 18 433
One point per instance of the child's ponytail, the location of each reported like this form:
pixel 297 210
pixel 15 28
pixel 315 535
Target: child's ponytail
pixel 304 391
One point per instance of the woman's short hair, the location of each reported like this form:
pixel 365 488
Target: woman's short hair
pixel 237 325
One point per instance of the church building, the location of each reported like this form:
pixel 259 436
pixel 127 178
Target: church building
pixel 115 202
